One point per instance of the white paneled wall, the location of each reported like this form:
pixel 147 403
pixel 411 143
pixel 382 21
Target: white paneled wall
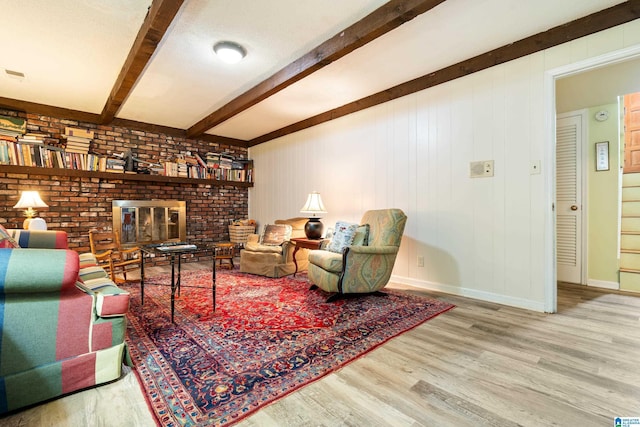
pixel 482 237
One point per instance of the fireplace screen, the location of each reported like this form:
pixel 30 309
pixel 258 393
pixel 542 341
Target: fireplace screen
pixel 141 222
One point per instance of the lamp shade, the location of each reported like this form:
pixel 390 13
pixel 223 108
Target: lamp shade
pixel 314 207
pixel 30 199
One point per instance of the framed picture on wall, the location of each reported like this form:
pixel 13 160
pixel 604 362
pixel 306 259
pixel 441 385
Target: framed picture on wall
pixel 602 156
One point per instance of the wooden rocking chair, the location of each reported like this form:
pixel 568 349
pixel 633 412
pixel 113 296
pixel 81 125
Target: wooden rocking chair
pixel 111 256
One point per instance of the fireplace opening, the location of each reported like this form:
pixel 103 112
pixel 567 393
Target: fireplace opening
pixel 143 222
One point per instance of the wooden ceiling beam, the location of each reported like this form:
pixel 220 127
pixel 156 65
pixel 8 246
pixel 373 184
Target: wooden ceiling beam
pixel 384 19
pixel 159 17
pixel 599 21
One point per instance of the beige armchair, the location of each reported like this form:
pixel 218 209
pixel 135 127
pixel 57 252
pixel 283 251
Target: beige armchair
pixel 274 260
pixel 364 266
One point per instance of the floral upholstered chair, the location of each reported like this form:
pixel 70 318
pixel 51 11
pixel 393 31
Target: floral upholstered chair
pixel 271 253
pixel 360 259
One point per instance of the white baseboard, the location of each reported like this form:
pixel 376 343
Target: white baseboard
pixel 603 284
pixel 471 293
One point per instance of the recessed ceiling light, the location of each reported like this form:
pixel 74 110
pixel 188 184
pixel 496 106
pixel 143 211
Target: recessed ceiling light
pixel 229 52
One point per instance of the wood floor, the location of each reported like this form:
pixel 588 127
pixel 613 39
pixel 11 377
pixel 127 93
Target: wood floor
pixel 480 364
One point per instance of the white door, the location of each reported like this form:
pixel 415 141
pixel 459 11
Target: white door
pixel 569 142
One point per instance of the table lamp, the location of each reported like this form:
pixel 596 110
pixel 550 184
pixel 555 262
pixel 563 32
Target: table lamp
pixel 313 209
pixel 28 201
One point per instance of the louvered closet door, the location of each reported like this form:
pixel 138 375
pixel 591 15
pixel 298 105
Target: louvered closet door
pixel 568 199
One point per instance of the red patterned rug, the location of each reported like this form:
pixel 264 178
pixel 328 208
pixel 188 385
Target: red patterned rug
pixel 267 338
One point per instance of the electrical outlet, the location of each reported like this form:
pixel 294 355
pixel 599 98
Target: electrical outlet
pixel 420 261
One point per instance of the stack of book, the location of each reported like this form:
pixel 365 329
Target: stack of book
pixel 11 128
pixel 115 165
pixel 78 140
pixel 212 160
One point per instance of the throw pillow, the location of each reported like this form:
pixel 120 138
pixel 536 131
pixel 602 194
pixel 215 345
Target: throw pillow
pixel 342 236
pixel 275 234
pixel 362 236
pixel 6 241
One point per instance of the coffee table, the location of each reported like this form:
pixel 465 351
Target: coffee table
pixel 175 253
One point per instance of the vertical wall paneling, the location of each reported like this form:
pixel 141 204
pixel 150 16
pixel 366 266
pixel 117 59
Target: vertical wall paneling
pixel 498 145
pixel 487 238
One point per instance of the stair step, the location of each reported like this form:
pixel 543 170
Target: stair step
pixel 629 270
pixel 630 241
pixel 630 251
pixel 631 209
pixel 631 194
pixel 630 224
pixel 630 260
pixel 630 179
pixel 630 280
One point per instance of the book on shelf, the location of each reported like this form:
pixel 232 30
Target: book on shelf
pixel 33 151
pixel 12 126
pixel 78 132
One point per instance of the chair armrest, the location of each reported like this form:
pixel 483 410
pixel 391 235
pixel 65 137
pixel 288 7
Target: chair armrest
pixel 109 299
pixel 372 250
pixel 31 271
pixel 103 255
pixel 43 239
pixel 253 238
pixel 130 250
pixel 359 275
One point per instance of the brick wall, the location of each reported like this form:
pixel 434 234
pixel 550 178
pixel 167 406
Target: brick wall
pixel 77 204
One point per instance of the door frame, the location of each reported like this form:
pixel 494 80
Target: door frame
pixel 550 76
pixel 584 199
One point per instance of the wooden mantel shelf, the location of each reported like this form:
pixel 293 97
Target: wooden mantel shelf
pixel 29 170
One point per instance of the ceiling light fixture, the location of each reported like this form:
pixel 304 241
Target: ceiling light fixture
pixel 229 52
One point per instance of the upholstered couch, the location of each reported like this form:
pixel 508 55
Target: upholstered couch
pixel 62 323
pixel 274 260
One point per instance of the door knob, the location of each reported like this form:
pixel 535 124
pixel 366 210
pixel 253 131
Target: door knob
pixel 574 207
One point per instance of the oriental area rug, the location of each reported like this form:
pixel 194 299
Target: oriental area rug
pixel 266 338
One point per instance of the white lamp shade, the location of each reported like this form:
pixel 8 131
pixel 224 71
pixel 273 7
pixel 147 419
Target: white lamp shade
pixel 314 206
pixel 30 199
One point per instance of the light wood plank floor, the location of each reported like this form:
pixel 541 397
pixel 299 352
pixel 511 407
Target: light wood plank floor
pixel 480 364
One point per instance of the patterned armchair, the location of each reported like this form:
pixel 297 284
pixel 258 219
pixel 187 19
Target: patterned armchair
pixel 363 267
pixel 274 260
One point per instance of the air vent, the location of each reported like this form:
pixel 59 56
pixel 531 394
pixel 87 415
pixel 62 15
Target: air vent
pixel 14 74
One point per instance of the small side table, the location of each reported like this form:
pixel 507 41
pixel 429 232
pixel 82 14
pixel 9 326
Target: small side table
pixel 304 243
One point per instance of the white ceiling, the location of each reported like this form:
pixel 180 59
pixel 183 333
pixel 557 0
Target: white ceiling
pixel 72 51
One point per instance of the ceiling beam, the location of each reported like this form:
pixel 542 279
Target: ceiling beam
pixel 159 17
pixel 384 19
pixel 599 21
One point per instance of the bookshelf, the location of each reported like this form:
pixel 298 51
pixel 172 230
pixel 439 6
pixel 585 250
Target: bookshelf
pixel 40 153
pixel 34 170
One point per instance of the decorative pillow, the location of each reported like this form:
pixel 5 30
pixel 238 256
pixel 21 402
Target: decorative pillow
pixel 362 236
pixel 6 241
pixel 342 236
pixel 275 234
